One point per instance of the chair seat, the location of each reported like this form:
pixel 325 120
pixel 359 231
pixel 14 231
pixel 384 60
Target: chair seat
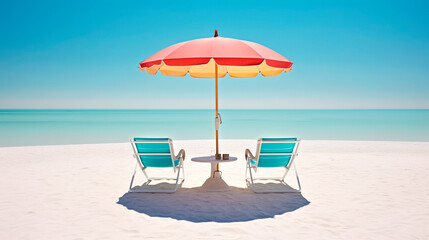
pixel 272 161
pixel 158 161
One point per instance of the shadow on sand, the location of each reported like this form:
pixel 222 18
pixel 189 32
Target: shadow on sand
pixel 194 205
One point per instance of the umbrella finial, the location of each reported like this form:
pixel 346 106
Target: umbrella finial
pixel 216 34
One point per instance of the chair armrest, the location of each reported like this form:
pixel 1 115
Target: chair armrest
pixel 181 155
pixel 248 154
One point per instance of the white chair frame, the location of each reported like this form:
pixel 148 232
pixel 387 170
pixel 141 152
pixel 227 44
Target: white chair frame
pixel 180 156
pixel 249 166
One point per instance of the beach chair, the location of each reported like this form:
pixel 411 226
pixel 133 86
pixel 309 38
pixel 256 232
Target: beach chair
pixel 157 153
pixel 273 153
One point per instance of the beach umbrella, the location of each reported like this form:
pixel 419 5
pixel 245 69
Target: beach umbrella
pixel 216 57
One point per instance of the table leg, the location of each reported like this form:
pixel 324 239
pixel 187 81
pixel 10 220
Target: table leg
pixel 215 181
pixel 214 173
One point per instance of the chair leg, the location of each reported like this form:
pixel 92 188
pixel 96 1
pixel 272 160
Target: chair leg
pixel 250 173
pixel 297 178
pixel 132 178
pixel 183 172
pixel 245 173
pixel 251 183
pixel 159 191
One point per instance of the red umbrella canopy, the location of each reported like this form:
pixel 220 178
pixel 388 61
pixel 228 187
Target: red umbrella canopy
pixel 198 57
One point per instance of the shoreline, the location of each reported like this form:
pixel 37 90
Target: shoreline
pixel 184 140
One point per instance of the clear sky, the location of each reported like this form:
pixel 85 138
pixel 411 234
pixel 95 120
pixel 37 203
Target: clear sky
pixel 85 54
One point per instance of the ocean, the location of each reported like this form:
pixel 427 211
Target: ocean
pixel 47 127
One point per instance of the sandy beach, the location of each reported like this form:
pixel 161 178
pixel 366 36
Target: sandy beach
pixel 351 190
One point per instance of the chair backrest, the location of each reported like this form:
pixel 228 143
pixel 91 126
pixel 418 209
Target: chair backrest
pixel 276 152
pixel 154 152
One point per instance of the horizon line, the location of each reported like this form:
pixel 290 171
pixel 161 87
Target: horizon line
pixel 213 109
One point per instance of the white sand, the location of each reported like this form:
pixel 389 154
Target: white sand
pixel 351 190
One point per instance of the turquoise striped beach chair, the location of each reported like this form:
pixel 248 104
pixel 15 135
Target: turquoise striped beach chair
pixel 272 153
pixel 157 153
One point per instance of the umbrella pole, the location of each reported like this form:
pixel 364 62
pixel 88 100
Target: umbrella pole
pixel 217 115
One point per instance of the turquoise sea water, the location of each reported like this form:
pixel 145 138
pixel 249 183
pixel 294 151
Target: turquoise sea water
pixel 44 127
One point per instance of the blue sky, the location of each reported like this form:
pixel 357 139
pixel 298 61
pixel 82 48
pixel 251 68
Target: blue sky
pixel 85 54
